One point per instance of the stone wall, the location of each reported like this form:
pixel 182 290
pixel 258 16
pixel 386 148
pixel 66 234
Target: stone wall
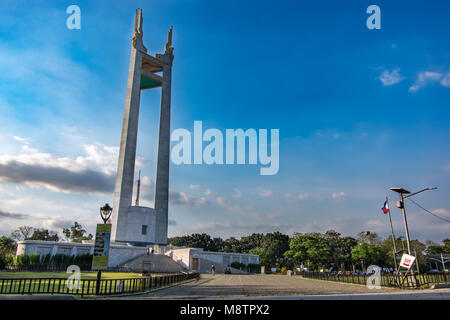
pixel 118 253
pixel 184 256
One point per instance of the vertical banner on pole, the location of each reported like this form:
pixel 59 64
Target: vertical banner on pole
pixel 101 247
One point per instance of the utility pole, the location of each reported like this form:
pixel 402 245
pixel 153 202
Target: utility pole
pixel 417 261
pixel 401 205
pixel 405 221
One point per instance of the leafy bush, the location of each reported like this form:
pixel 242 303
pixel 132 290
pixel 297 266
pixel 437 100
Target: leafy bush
pixel 45 260
pixel 2 261
pixel 58 261
pixel 22 261
pixel 237 265
pixel 254 267
pixel 10 260
pixel 35 259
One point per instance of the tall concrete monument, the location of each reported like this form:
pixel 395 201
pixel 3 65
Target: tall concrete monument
pixel 136 224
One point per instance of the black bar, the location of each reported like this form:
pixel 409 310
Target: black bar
pixel 99 277
pixel 59 286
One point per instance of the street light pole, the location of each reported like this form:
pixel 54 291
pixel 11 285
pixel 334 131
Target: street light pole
pixel 402 192
pixel 402 204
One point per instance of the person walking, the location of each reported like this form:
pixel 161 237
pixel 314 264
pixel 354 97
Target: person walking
pixel 213 270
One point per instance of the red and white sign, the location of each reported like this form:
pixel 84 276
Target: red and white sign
pixel 407 261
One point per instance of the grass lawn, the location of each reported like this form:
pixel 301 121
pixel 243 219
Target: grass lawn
pixel 55 282
pixel 63 275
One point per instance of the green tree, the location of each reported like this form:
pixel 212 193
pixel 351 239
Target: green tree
pixel 418 250
pixel 198 240
pixel 263 258
pixel 232 245
pixel 275 245
pixel 7 245
pixel 369 254
pixel 347 245
pixel 22 233
pixel 438 249
pixel 76 233
pixel 248 243
pixel 369 237
pixel 341 249
pixel 311 250
pixel 44 235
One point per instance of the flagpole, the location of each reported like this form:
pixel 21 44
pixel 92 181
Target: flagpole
pixel 393 236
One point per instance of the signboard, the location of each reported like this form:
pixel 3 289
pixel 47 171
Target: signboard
pixel 407 261
pixel 101 247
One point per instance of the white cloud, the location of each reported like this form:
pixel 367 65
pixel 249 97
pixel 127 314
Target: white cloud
pixel 237 193
pixel 194 186
pixel 220 201
pixel 90 174
pixel 265 193
pixel 337 195
pixel 389 78
pixel 303 196
pixel 20 139
pixel 375 225
pixel 427 77
pixel 183 199
pixel 442 211
pixel 207 192
pixel 146 181
pixel 446 80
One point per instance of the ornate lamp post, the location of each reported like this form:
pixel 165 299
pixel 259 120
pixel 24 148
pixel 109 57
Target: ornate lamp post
pixel 105 212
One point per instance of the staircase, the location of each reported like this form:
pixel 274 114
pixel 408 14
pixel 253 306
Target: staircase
pixel 156 263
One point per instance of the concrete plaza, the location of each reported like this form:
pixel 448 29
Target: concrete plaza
pixel 258 286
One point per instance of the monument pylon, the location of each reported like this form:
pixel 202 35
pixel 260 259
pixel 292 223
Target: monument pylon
pixel 136 224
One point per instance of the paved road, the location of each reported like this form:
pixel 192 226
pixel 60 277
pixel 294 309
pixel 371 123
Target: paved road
pixel 275 287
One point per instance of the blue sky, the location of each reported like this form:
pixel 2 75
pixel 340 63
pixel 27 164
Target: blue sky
pixel 358 111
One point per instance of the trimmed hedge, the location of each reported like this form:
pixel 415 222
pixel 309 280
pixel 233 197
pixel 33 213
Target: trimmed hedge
pixel 58 261
pixel 254 267
pixel 251 267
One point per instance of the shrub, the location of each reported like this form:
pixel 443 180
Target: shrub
pixel 10 260
pixel 45 260
pixel 35 259
pixel 237 265
pixel 254 267
pixel 2 261
pixel 22 261
pixel 283 270
pixel 58 261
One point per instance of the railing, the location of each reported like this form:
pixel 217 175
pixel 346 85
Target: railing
pixel 45 268
pixel 387 280
pixel 85 287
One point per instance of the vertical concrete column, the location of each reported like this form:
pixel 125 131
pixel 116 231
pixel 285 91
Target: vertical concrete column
pixel 123 190
pixel 162 171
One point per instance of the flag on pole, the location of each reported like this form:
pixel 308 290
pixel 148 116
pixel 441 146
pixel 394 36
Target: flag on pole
pixel 385 207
